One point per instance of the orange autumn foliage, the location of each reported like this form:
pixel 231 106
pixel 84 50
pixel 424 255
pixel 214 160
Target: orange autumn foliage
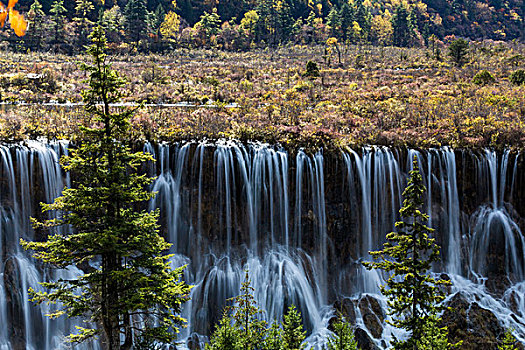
pixel 16 20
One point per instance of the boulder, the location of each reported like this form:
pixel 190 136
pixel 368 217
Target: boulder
pixel 364 342
pixel 372 314
pixel 476 326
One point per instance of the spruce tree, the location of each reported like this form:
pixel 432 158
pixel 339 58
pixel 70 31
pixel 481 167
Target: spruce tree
pixel 414 296
pixel 402 27
pixel 128 287
pixel 58 17
pixel 37 25
pixel 274 338
pixel 293 334
pixel 247 316
pixel 457 51
pixel 226 336
pixel 343 337
pixel 135 14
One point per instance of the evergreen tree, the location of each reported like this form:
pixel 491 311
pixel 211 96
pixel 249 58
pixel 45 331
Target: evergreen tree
pixel 334 22
pixel 293 335
pixel 226 336
pixel 434 337
pixel 347 17
pixel 135 14
pixel 343 337
pixel 414 296
pixel 274 338
pixel 37 26
pixel 241 326
pixel 457 51
pixel 128 288
pixel 154 19
pixel 113 23
pixel 83 23
pixel 363 18
pixel 210 24
pixel 509 341
pixel 247 315
pixel 58 17
pixel 402 28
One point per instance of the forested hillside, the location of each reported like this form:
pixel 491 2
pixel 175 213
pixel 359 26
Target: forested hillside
pixel 157 25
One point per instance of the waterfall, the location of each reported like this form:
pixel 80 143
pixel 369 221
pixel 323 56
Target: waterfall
pixel 299 223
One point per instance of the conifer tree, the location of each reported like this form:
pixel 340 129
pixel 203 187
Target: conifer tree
pixel 226 336
pixel 83 23
pixel 58 17
pixel 37 25
pixel 402 27
pixel 509 341
pixel 246 315
pixel 274 338
pixel 457 51
pixel 414 296
pixel 343 337
pixel 241 326
pixel 128 287
pixel 293 334
pixel 135 14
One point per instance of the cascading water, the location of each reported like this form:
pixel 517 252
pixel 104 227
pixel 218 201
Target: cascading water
pixel 300 224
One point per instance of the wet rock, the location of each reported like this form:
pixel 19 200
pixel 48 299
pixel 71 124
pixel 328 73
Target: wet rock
pixel 364 342
pixel 372 314
pixel 347 308
pixel 15 312
pixel 194 342
pixel 476 326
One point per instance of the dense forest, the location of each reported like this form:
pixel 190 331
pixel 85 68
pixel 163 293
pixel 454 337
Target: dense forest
pixel 160 25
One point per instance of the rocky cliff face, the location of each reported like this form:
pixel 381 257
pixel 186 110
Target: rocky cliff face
pixel 301 224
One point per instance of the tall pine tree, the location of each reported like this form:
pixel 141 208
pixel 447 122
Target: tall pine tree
pixel 414 296
pixel 128 287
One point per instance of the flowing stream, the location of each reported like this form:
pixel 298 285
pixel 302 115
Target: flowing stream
pixel 299 223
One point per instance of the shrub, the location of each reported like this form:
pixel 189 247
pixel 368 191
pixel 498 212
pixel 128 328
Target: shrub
pixel 518 77
pixel 483 77
pixel 312 70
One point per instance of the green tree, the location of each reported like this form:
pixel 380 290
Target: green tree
pixel 247 316
pixel 274 338
pixel 414 296
pixel 434 337
pixel 293 334
pixel 83 23
pixel 402 27
pixel 347 17
pixel 113 23
pixel 343 337
pixel 333 21
pixel 226 336
pixel 241 326
pixel 210 23
pixel 128 287
pixel 509 342
pixel 37 24
pixel 135 15
pixel 58 18
pixel 457 51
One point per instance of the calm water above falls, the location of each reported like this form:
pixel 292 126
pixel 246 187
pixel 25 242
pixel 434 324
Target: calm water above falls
pixel 299 223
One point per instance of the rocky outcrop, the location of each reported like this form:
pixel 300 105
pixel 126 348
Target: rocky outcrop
pixel 477 327
pixel 364 342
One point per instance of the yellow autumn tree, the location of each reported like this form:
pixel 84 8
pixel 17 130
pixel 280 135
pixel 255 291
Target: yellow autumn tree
pixel 381 30
pixel 16 20
pixel 170 26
